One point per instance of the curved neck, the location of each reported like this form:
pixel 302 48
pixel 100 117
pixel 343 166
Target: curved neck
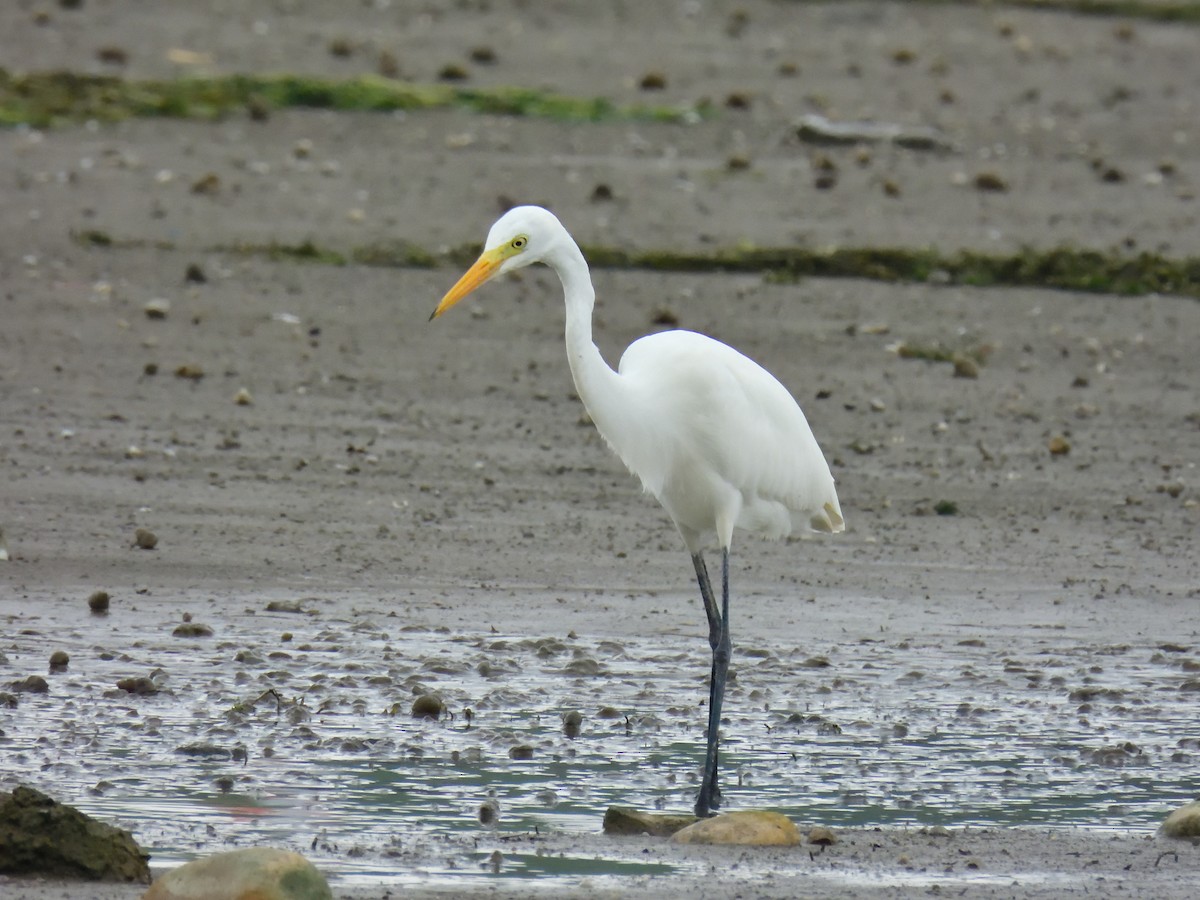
pixel 596 383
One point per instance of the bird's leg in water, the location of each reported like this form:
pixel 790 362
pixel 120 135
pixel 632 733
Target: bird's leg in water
pixel 718 639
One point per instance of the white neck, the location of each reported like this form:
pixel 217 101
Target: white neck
pixel 598 385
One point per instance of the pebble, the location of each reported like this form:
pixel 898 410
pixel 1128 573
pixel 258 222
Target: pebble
pixel 34 684
pixel 1059 445
pixel 428 706
pixel 140 685
pixel 157 308
pixel 145 539
pixel 192 630
pixel 98 602
pixel 243 398
pixel 59 660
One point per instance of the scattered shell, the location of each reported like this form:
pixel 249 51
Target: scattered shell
pixel 98 602
pixel 145 539
pixel 243 398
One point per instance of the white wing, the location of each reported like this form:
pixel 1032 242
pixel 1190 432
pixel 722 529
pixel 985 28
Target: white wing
pixel 718 440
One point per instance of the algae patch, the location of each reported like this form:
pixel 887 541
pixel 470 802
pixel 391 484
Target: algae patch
pixel 44 99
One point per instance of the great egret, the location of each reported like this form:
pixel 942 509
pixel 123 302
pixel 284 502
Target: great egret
pixel 711 434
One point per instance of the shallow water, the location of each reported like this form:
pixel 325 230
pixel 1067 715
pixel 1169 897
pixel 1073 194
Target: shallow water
pixel 310 743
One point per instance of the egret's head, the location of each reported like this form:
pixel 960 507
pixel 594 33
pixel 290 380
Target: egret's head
pixel 523 235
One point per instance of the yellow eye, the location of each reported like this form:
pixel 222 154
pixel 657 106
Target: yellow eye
pixel 519 242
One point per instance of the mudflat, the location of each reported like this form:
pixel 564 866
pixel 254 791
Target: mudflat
pixel 1017 465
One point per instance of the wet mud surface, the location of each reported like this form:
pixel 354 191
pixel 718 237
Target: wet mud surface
pixel 1004 644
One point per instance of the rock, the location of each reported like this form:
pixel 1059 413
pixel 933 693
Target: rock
pixel 3 547
pixel 192 630
pixel 757 828
pixel 139 685
pixel 157 308
pixel 572 722
pixel 145 539
pixel 98 602
pixel 40 836
pixel 1184 823
pixel 822 836
pixel 1058 445
pixel 263 873
pixel 428 706
pixel 34 684
pixel 243 398
pixel 627 820
pixel 59 660
pixel 521 751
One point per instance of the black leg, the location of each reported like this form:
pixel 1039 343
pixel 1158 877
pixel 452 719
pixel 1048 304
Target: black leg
pixel 718 639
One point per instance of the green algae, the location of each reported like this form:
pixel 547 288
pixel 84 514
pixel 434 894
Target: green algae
pixel 45 99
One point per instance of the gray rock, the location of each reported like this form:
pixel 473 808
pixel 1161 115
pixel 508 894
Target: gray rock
pixel 40 836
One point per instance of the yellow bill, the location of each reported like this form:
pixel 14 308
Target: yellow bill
pixel 482 271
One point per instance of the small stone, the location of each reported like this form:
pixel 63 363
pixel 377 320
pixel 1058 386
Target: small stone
pixel 3 547
pixel 737 162
pixel 428 706
pixel 145 539
pixel 98 602
pixel 453 72
pixel 388 66
pixel 243 398
pixel 489 813
pixel 572 722
pixel 113 56
pixel 1183 823
pixel 192 630
pixel 341 47
pixel 653 81
pixel 601 193
pixel 207 185
pixel 822 836
pixel 287 606
pixel 744 828
pixel 521 751
pixel 190 371
pixel 484 55
pixel 1059 445
pixel 59 660
pixel 34 684
pixel 157 308
pixel 990 182
pixel 140 685
pixel 260 872
pixel 629 821
pixel 964 366
pixel 193 274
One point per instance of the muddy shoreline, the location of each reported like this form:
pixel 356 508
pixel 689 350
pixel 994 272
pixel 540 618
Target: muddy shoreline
pixel 433 497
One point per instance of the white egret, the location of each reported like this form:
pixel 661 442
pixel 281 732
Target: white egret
pixel 711 434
